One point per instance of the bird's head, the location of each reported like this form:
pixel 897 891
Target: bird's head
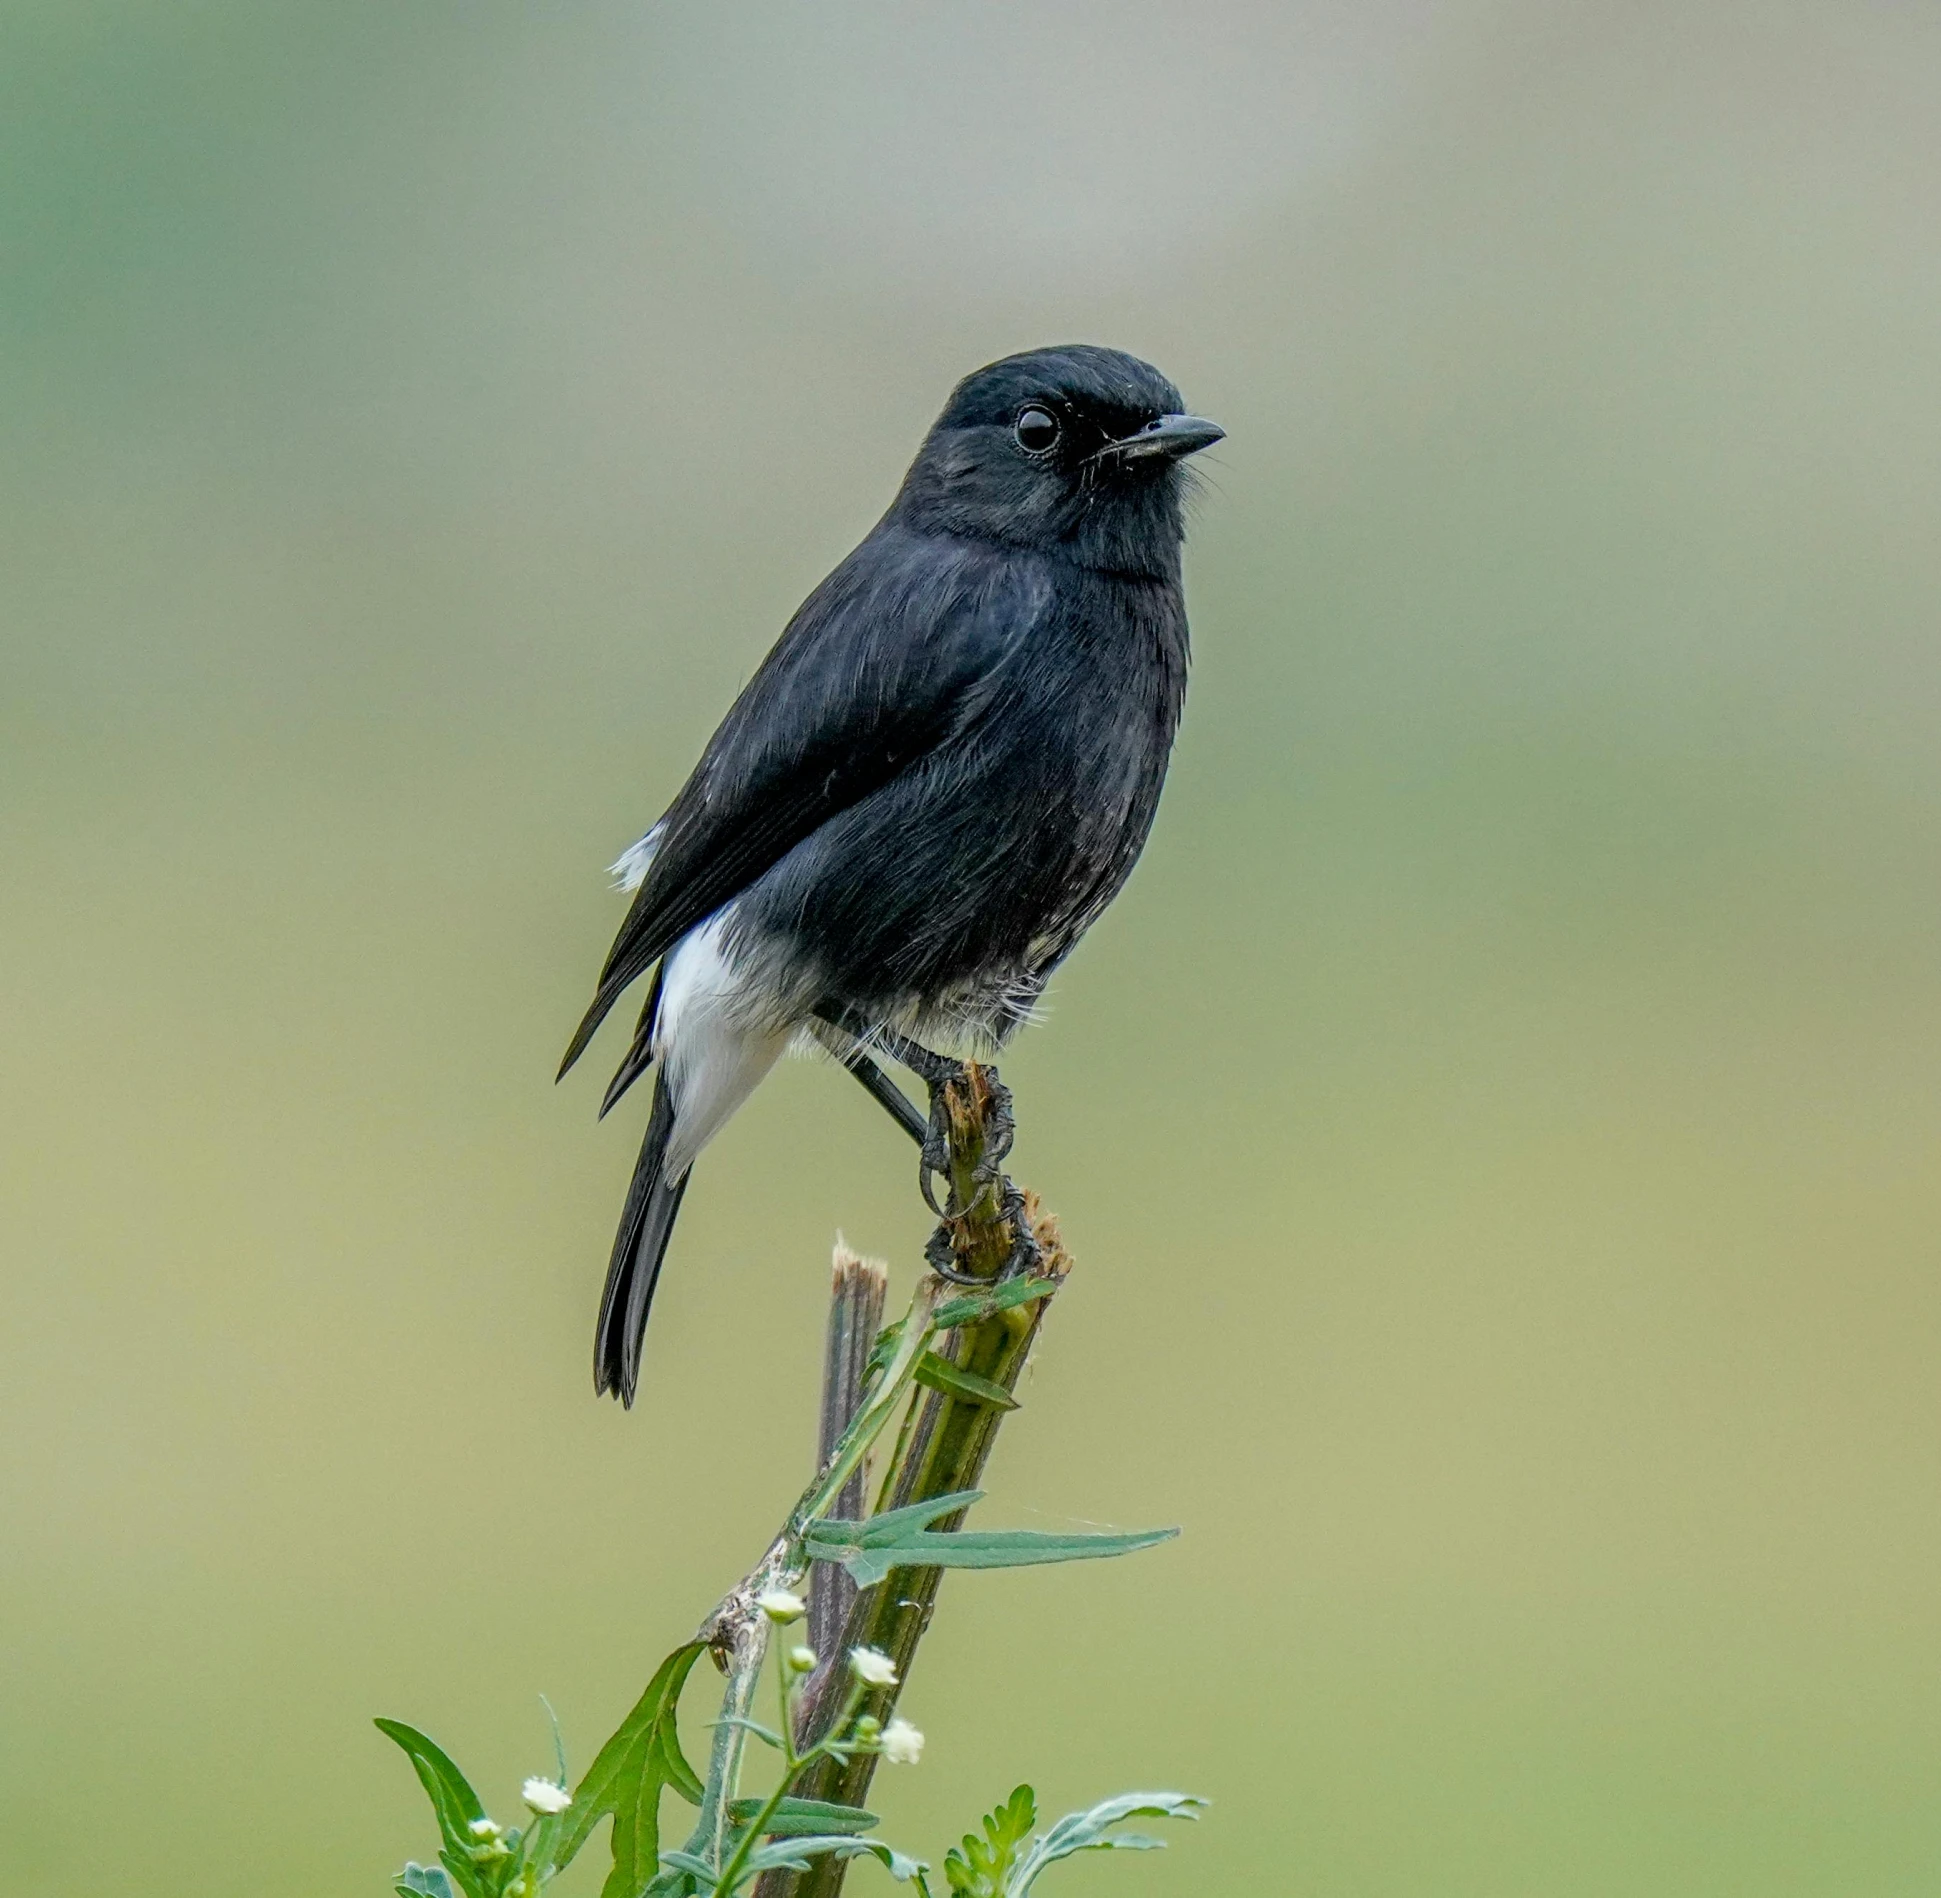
pixel 1076 450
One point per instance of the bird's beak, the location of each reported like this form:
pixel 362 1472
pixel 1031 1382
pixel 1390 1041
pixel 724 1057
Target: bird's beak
pixel 1172 436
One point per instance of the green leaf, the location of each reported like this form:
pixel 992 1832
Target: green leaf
pixel 767 1735
pixel 452 1799
pixel 794 1855
pixel 559 1742
pixel 939 1374
pixel 987 1548
pixel 975 1307
pixel 422 1881
pixel 464 1872
pixel 671 1763
pixel 981 1867
pixel 542 1840
pixel 1091 1831
pixel 900 1538
pixel 832 1538
pixel 803 1817
pixel 883 1350
pixel 690 1863
pixel 626 1780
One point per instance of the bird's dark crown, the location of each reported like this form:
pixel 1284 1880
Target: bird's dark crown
pixel 1106 387
pixel 979 474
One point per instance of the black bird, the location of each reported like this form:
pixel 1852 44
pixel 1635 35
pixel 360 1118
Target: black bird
pixel 931 787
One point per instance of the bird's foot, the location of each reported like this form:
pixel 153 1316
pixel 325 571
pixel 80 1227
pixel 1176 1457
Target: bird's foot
pixel 1024 1259
pixel 969 1108
pixel 970 1132
pixel 1027 1255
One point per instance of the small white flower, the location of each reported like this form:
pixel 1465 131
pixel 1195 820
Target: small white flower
pixel 902 1743
pixel 781 1605
pixel 802 1660
pixel 484 1829
pixel 544 1796
pixel 872 1667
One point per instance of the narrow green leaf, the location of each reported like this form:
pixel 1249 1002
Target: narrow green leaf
pixel 767 1735
pixel 795 1854
pixel 626 1779
pixel 450 1791
pixel 939 1374
pixel 452 1799
pixel 559 1742
pixel 692 1864
pixel 974 1307
pixel 831 1538
pixel 803 1817
pixel 542 1838
pixel 989 1548
pixel 460 1865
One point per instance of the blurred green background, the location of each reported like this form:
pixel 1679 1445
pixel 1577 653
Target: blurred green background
pixel 1498 1127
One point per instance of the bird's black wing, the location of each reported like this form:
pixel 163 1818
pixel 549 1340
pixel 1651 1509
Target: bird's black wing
pixel 894 654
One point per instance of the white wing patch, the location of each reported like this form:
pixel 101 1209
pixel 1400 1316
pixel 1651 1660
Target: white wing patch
pixel 630 869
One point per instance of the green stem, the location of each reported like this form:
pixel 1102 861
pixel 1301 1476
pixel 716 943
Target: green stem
pixel 784 1562
pixel 731 1871
pixel 942 1448
pixel 741 1628
pixel 880 1406
pixel 758 1825
pixel 710 1835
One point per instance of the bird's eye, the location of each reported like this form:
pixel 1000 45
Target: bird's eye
pixel 1037 430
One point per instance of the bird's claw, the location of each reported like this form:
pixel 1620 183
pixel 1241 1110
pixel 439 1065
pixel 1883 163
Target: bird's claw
pixel 941 1257
pixel 934 1160
pixel 1024 1259
pixel 986 1176
pixel 1027 1255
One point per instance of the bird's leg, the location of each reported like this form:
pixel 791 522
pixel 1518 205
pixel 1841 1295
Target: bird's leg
pixel 888 1096
pixel 941 1075
pixel 876 1084
pixel 935 1071
pixel 944 1077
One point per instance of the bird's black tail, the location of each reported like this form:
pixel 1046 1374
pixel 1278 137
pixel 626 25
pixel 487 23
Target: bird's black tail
pixel 645 1225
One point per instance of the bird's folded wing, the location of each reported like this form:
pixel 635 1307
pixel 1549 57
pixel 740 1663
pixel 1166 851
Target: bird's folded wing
pixel 895 654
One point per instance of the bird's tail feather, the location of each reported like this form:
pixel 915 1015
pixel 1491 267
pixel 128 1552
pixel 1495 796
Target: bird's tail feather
pixel 645 1226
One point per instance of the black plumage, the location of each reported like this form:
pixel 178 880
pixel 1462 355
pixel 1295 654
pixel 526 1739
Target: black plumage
pixel 938 778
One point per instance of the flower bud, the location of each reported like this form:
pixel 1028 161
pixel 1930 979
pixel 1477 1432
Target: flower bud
pixel 781 1605
pixel 902 1743
pixel 872 1667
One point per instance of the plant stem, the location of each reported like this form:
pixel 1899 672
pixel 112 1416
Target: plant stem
pixel 855 1317
pixel 710 1835
pixel 783 1562
pixel 945 1441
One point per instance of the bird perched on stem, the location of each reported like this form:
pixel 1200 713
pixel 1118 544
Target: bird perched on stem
pixel 930 789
